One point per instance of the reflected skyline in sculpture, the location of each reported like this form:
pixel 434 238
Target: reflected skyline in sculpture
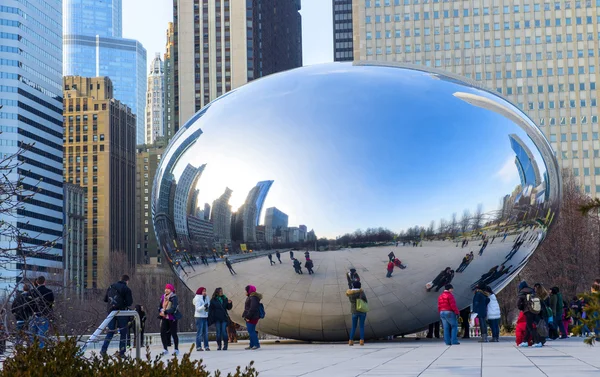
pixel 375 159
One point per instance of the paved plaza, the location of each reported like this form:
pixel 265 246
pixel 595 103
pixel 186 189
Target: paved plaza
pixel 408 357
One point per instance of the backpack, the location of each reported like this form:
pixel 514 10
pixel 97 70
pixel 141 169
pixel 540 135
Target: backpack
pixel 116 301
pixel 542 328
pixel 261 311
pixel 533 304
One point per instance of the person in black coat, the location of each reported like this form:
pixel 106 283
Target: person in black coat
pixel 118 323
pixel 22 310
pixel 217 314
pixel 309 266
pixel 278 255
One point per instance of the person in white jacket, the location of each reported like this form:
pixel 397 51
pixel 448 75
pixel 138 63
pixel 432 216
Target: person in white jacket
pixel 201 303
pixel 493 314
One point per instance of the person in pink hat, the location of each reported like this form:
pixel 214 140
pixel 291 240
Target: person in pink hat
pixel 169 316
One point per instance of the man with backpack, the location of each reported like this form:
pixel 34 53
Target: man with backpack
pixel 531 306
pixel 118 297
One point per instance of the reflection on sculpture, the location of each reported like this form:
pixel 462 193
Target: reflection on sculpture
pixel 342 147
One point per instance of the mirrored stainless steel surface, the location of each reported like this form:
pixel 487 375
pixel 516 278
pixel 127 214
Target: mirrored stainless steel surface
pixel 374 161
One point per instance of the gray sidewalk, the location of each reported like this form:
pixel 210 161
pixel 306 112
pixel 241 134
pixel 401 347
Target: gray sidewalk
pixel 407 357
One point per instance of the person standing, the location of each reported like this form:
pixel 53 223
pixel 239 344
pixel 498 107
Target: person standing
pixel 22 310
pixel 352 276
pixel 271 258
pixel 525 304
pixel 309 266
pixel 449 315
pixel 217 314
pixel 297 266
pixel 118 297
pixel 358 317
pixel 480 303
pixel 291 255
pixel 169 316
pixel 278 255
pixel 390 269
pixel 142 314
pixel 493 314
pixel 464 316
pixel 252 315
pixel 228 264
pixel 201 304
pixel 557 306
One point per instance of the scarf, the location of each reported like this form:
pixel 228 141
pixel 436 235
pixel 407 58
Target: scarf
pixel 166 303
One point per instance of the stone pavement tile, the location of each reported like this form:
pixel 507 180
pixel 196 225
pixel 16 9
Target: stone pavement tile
pixel 499 371
pixel 452 371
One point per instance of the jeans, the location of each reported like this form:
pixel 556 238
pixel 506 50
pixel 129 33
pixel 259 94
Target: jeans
pixel 360 318
pixel 201 332
pixel 221 327
pixel 495 326
pixel 39 327
pixel 123 327
pixel 389 274
pixel 562 328
pixel 483 326
pixel 450 324
pixel 253 337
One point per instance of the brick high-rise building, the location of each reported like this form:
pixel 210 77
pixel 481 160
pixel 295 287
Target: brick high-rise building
pixel 99 155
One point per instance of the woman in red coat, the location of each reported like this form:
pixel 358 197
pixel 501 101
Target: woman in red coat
pixel 390 269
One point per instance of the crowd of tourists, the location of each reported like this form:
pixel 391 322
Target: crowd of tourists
pixel 543 315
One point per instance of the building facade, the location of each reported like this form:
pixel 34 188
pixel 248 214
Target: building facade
pixel 147 159
pixel 184 194
pixel 275 218
pixel 171 122
pixel 221 45
pixel 93 46
pixel 155 101
pixel 221 217
pixel 99 155
pixel 31 113
pixel 343 46
pixel 540 56
pixel 74 247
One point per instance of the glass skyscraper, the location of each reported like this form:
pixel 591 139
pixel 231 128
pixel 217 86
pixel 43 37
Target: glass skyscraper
pixel 31 118
pixel 93 46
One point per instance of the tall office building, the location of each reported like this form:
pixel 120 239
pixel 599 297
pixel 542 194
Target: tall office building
pixel 147 160
pixel 31 100
pixel 541 56
pixel 342 31
pixel 171 122
pixel 100 156
pixel 74 248
pixel 185 199
pixel 220 216
pixel 155 101
pixel 221 45
pixel 275 218
pixel 93 46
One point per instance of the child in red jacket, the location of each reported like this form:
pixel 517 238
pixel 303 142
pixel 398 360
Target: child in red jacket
pixel 520 330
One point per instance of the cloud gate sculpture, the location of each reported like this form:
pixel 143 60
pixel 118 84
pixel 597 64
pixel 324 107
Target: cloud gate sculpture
pixel 360 164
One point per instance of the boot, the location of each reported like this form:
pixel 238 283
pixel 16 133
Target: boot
pixel 225 345
pixel 351 342
pixel 218 345
pixel 484 339
pixel 362 342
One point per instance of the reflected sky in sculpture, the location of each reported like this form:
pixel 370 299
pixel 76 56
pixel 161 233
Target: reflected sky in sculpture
pixel 357 131
pixel 345 146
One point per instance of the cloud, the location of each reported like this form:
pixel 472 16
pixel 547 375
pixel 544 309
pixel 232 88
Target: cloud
pixel 508 172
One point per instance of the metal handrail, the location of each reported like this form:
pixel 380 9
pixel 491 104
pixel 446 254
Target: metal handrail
pixel 111 316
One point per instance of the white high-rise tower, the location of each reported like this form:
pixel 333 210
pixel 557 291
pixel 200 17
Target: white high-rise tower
pixel 155 101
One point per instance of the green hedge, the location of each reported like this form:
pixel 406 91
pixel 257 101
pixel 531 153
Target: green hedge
pixel 65 359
